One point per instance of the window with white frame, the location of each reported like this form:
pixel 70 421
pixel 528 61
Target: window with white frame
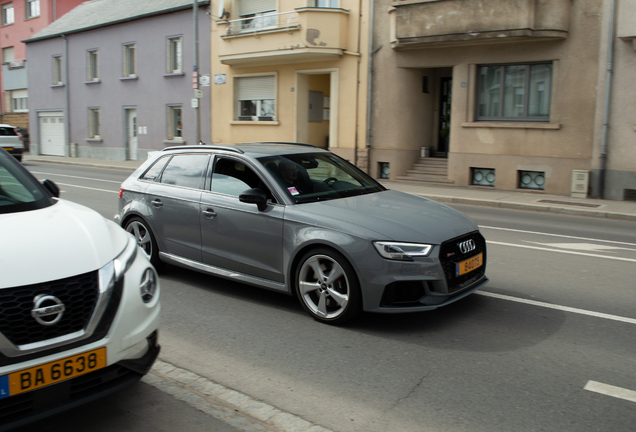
pixel 514 92
pixel 19 101
pixel 175 55
pixel 58 78
pixel 32 8
pixel 8 16
pixel 175 124
pixel 323 3
pixel 8 55
pixel 257 14
pixel 256 97
pixel 93 123
pixel 130 61
pixel 92 58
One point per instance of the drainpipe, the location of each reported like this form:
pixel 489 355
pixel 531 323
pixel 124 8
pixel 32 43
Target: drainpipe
pixel 370 78
pixel 54 10
pixel 197 111
pixel 67 90
pixel 608 89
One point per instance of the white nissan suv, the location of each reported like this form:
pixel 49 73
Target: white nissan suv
pixel 79 303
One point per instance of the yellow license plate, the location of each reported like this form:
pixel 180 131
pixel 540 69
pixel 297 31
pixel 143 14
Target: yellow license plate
pixel 8 148
pixel 469 265
pixel 56 371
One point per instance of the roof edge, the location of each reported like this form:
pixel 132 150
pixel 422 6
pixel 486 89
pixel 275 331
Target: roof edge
pixel 120 21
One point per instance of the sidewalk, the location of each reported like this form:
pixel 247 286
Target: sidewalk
pixel 480 196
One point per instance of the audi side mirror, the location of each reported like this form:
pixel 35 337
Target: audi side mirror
pixel 254 196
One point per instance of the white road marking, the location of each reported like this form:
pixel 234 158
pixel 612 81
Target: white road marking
pixel 82 178
pixel 85 187
pixel 561 251
pixel 557 307
pixel 610 390
pixel 590 247
pixel 556 235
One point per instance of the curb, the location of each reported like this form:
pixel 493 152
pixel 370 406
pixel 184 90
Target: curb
pixel 236 409
pixel 532 207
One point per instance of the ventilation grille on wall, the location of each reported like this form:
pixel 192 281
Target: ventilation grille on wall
pixel 629 194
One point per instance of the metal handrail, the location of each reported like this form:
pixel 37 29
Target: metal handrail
pixel 263 22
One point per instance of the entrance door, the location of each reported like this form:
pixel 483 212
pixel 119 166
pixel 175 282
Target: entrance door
pixel 52 138
pixel 131 133
pixel 445 96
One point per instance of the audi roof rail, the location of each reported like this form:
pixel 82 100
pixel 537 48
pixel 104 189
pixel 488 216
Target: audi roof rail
pixel 282 142
pixel 205 147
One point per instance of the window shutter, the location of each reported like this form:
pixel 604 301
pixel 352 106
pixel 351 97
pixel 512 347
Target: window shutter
pixel 249 7
pixel 256 88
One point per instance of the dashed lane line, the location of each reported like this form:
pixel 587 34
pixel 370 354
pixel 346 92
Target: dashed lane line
pixel 610 390
pixel 86 187
pixel 561 251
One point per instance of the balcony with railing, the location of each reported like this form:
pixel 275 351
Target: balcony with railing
pixel 426 23
pixel 304 35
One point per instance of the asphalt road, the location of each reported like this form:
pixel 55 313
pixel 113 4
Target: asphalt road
pixel 547 345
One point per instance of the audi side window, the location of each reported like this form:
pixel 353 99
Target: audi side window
pixel 155 170
pixel 232 177
pixel 186 170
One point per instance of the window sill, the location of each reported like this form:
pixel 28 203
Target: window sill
pixel 93 82
pixel 511 125
pixel 57 85
pixel 174 142
pixel 174 74
pixel 94 140
pixel 131 78
pixel 255 122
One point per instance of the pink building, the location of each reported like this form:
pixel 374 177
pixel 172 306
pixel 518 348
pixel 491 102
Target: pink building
pixel 20 20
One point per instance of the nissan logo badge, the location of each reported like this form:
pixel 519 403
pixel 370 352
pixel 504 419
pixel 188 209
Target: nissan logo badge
pixel 47 309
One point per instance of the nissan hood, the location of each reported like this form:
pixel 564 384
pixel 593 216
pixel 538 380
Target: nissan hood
pixel 56 242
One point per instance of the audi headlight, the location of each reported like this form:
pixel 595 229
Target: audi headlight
pixel 402 251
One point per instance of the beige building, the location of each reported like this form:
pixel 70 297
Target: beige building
pixel 291 70
pixel 503 93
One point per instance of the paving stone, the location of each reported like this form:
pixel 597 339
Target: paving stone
pixel 318 429
pixel 260 411
pixel 216 411
pixel 162 367
pixel 233 397
pixel 151 378
pixel 183 376
pixel 192 399
pixel 170 388
pixel 290 423
pixel 207 387
pixel 243 424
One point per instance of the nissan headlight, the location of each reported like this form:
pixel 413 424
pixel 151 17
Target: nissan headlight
pixel 402 251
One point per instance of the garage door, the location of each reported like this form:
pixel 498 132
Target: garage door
pixel 52 133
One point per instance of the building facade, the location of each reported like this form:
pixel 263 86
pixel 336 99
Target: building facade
pixel 291 70
pixel 114 79
pixel 21 19
pixel 504 93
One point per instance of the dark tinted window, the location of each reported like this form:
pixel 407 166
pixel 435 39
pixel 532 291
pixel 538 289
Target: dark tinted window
pixel 155 170
pixel 4 131
pixel 232 177
pixel 186 170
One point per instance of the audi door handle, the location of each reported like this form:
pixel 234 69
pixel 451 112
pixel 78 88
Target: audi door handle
pixel 157 203
pixel 209 213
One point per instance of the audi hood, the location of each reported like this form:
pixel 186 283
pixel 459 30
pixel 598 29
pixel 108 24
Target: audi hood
pixel 395 216
pixel 62 240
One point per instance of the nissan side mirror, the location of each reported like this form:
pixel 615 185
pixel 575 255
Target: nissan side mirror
pixel 51 188
pixel 254 196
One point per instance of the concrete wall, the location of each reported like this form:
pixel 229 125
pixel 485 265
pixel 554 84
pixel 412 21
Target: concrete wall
pixel 150 93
